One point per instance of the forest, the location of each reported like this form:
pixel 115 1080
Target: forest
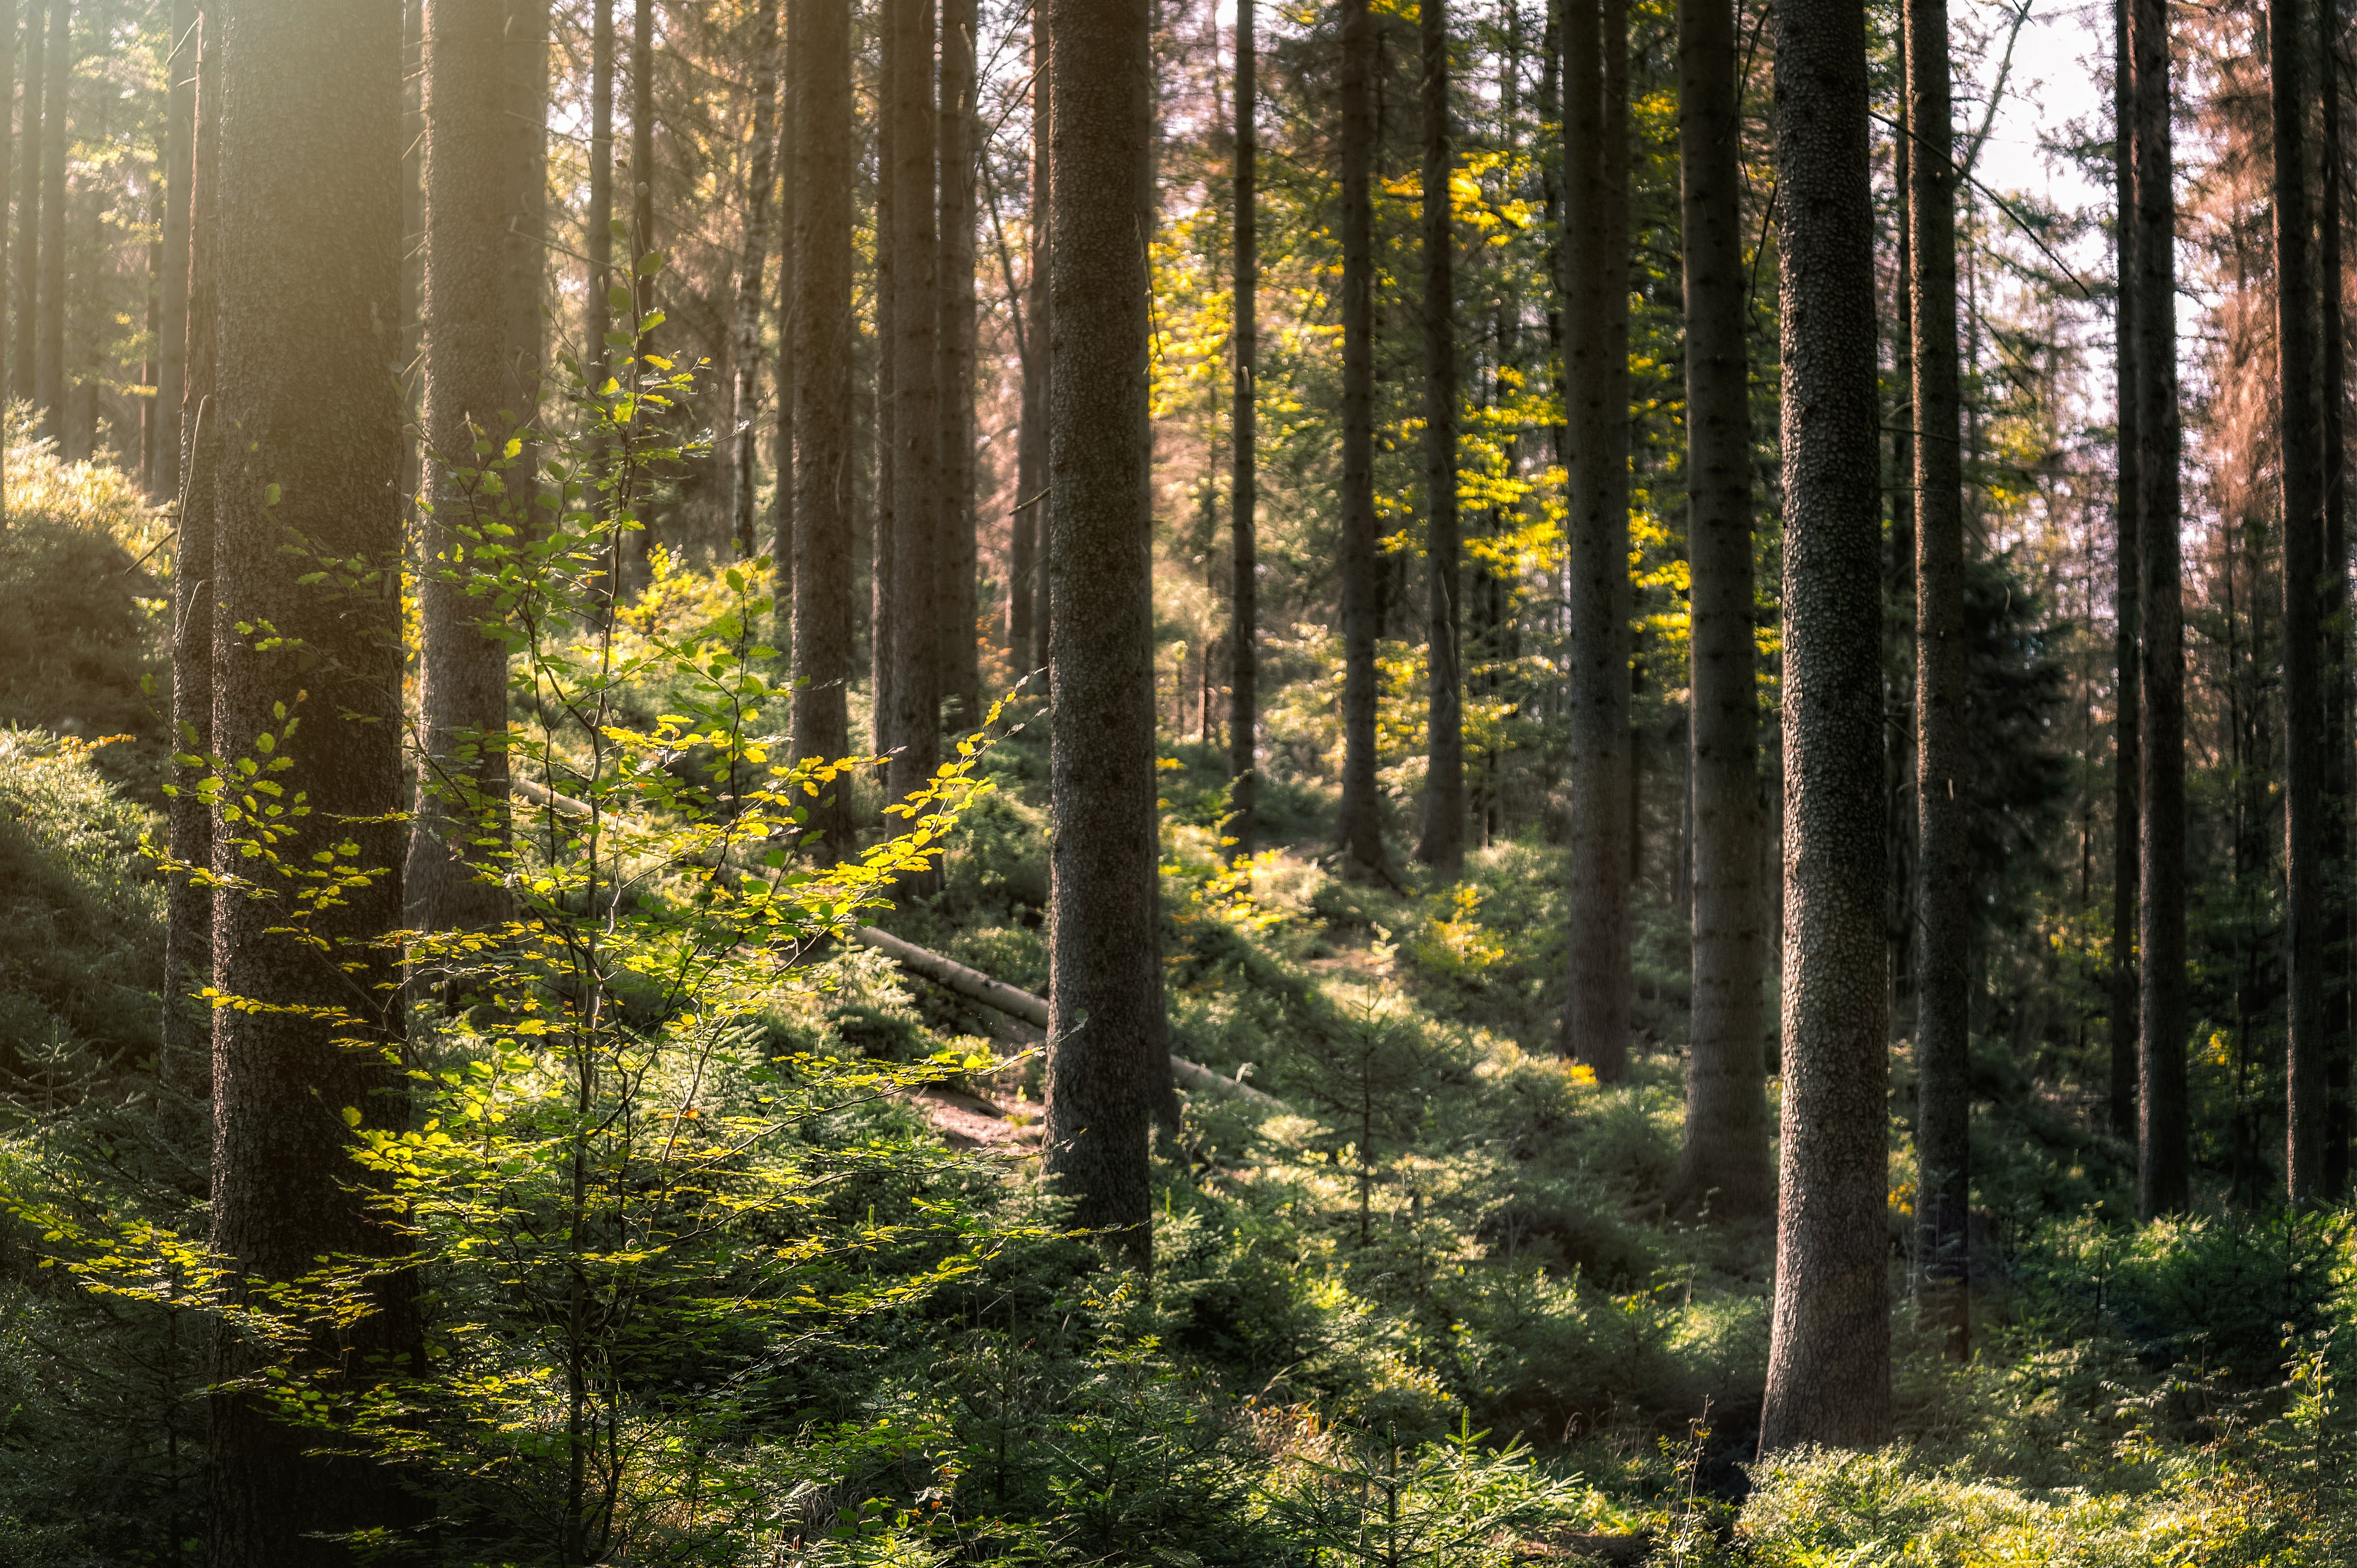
pixel 1330 783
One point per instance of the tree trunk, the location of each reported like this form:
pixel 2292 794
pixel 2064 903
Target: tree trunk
pixel 960 559
pixel 413 252
pixel 50 344
pixel 883 553
pixel 1724 1164
pixel 1829 1346
pixel 916 695
pixel 1943 865
pixel 2333 378
pixel 824 331
pixel 309 246
pixel 782 500
pixel 151 375
pixel 2301 459
pixel 1595 1012
pixel 1031 442
pixel 643 142
pixel 597 241
pixel 28 203
pixel 746 393
pixel 463 699
pixel 172 306
pixel 1108 1061
pixel 1443 845
pixel 1359 825
pixel 1900 722
pixel 2163 1155
pixel 1043 164
pixel 1244 605
pixel 524 240
pixel 2127 1004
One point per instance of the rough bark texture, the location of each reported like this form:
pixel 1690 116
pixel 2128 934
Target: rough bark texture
pixel 172 303
pixel 1829 1347
pixel 28 203
pixel 1243 606
pixel 2163 1152
pixel 1359 826
pixel 1043 315
pixel 1942 1021
pixel 463 672
pixel 1595 1011
pixel 1899 721
pixel 307 246
pixel 524 238
pixel 50 341
pixel 782 449
pixel 1723 1165
pixel 745 401
pixel 1108 1067
pixel 2301 460
pixel 959 561
pixel 1031 439
pixel 912 347
pixel 824 332
pixel 1443 844
pixel 2332 372
pixel 883 624
pixel 2127 657
pixel 597 238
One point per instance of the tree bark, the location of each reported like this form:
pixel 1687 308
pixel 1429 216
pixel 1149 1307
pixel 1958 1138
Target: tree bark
pixel 1723 1163
pixel 1595 1011
pixel 824 332
pixel 1358 828
pixel 308 244
pixel 1244 603
pixel 914 739
pixel 1031 439
pixel 959 558
pixel 2163 1155
pixel 782 500
pixel 2128 792
pixel 523 240
pixel 1043 164
pixel 29 202
pixel 643 142
pixel 1943 865
pixel 1901 719
pixel 49 343
pixel 884 553
pixel 598 242
pixel 746 391
pixel 463 699
pixel 2333 378
pixel 172 306
pixel 2304 566
pixel 1829 1346
pixel 1443 844
pixel 1108 1059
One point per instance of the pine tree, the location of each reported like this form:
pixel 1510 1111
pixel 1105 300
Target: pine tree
pixel 2128 657
pixel 1359 827
pixel 1244 673
pixel 914 736
pixel 50 341
pixel 524 241
pixel 172 306
pixel 1443 844
pixel 746 395
pixel 958 562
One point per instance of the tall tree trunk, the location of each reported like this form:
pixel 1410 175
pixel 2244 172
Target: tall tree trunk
pixel 188 960
pixel 1108 1055
pixel 1900 722
pixel 1043 246
pixel 29 202
pixel 745 393
pixel 916 710
pixel 1829 1345
pixel 413 252
pixel 172 313
pixel 825 330
pixel 2163 1157
pixel 1943 991
pixel 524 240
pixel 2127 655
pixel 50 342
pixel 2333 378
pixel 7 85
pixel 884 553
pixel 1595 1012
pixel 959 558
pixel 1723 1163
pixel 598 242
pixel 1031 443
pixel 1443 844
pixel 2301 457
pixel 151 375
pixel 308 248
pixel 463 703
pixel 643 142
pixel 1243 503
pixel 781 501
pixel 1359 825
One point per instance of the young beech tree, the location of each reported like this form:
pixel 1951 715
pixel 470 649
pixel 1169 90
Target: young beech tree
pixel 307 686
pixel 1108 1059
pixel 1829 1345
pixel 1723 1161
pixel 1244 671
pixel 1443 844
pixel 1359 825
pixel 465 672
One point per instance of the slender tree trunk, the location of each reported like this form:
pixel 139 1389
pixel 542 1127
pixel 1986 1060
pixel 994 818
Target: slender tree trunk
pixel 1443 844
pixel 643 142
pixel 598 242
pixel 1243 503
pixel 29 201
pixel 2164 1156
pixel 172 313
pixel 1829 1346
pixel 1900 720
pixel 1031 443
pixel 884 621
pixel 309 245
pixel 1108 1055
pixel 746 394
pixel 1723 1165
pixel 960 559
pixel 2333 378
pixel 1943 992
pixel 413 252
pixel 1043 164
pixel 50 344
pixel 2127 719
pixel 462 773
pixel 1595 1012
pixel 523 239
pixel 781 502
pixel 825 330
pixel 916 710
pixel 151 375
pixel 1360 826
pixel 2302 455
pixel 7 85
